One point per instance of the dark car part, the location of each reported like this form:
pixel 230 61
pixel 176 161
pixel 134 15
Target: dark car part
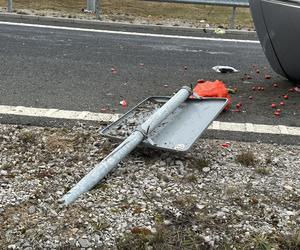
pixel 277 24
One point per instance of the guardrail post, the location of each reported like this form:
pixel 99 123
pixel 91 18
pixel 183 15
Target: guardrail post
pixel 9 6
pixel 232 18
pixel 90 5
pixel 97 9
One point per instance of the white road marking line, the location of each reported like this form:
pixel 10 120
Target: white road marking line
pixel 129 33
pixel 108 118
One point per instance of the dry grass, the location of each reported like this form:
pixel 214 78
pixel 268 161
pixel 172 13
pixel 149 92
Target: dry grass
pixel 28 137
pixel 246 158
pixel 130 9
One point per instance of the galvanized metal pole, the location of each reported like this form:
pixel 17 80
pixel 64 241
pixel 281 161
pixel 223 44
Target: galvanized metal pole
pixel 90 5
pixel 232 18
pixel 9 6
pixel 97 9
pixel 112 160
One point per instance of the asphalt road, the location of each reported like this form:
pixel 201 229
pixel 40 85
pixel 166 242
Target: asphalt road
pixel 72 70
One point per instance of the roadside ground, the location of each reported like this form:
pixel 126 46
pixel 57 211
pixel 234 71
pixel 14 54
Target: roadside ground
pixel 140 12
pixel 221 195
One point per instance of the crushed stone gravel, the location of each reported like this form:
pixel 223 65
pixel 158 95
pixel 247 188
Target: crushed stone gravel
pixel 206 191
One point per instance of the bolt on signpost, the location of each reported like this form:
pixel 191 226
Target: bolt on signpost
pixel 175 126
pixel 9 6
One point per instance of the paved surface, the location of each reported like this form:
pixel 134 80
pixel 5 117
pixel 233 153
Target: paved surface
pixel 72 70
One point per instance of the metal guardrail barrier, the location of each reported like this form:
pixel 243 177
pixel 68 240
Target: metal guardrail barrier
pixel 230 3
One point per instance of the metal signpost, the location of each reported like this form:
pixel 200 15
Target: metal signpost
pixel 175 126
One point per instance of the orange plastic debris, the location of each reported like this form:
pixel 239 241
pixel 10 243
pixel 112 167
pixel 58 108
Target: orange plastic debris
pixel 213 89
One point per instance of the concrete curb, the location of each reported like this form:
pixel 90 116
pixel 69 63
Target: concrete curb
pixel 99 23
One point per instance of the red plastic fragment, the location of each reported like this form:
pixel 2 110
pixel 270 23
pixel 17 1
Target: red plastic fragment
pixel 268 77
pixel 277 114
pixel 123 103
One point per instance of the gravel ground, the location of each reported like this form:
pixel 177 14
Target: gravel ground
pixel 221 195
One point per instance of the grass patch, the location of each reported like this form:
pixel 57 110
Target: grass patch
pixel 185 201
pixel 102 186
pixel 198 163
pixel 100 225
pixel 28 137
pixel 246 158
pixel 6 166
pixel 130 9
pixel 166 238
pixel 290 242
pixel 261 242
pixel 263 170
pixel 230 190
pixel 191 178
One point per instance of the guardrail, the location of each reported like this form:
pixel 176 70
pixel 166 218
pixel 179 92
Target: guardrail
pixel 230 3
pixel 94 6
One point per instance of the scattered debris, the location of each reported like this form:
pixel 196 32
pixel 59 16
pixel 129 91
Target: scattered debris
pixel 201 81
pixel 219 31
pixel 225 69
pixel 268 77
pixel 123 103
pixel 277 114
pixel 213 89
pixel 225 145
pixel 297 89
pixel 113 70
pixel 238 105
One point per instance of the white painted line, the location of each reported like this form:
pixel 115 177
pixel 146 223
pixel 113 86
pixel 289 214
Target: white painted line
pixel 108 118
pixel 58 114
pixel 249 127
pixel 129 33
